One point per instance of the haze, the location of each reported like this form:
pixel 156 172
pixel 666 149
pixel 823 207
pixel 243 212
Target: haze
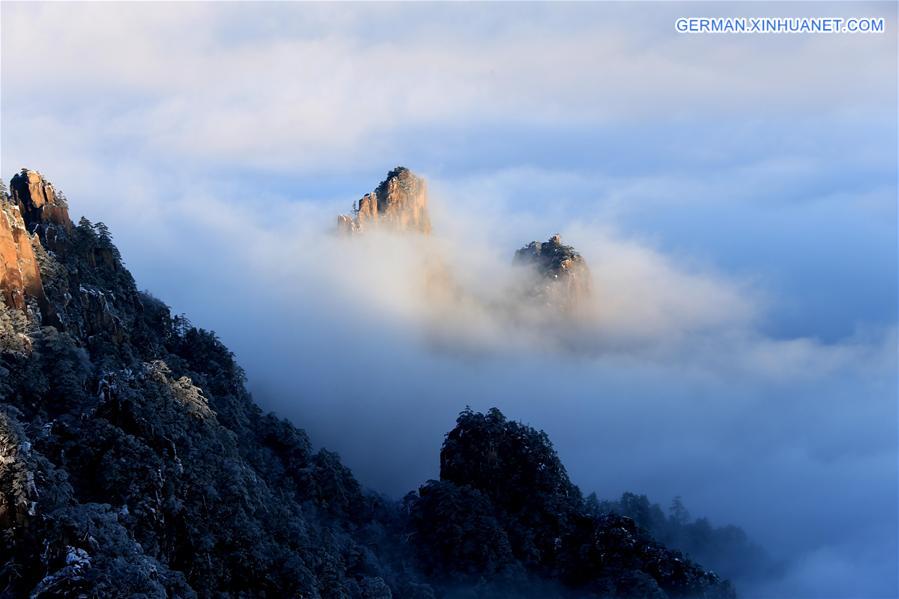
pixel 734 196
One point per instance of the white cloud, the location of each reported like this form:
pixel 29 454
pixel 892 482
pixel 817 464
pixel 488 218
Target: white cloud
pixel 189 82
pixel 136 110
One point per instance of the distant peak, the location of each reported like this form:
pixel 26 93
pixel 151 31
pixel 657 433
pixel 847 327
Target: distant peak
pixel 400 202
pixel 563 276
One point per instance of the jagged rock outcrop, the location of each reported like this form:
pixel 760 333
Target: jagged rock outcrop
pixel 59 272
pixel 562 279
pixel 38 201
pixel 399 203
pixel 20 277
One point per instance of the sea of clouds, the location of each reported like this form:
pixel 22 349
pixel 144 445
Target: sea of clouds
pixel 734 198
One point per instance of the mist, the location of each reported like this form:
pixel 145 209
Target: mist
pixel 668 386
pixel 734 198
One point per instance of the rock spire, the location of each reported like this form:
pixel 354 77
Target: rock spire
pixel 399 203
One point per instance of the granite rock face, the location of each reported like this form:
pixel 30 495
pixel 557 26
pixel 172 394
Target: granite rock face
pixel 399 203
pixel 38 201
pixel 56 271
pixel 20 276
pixel 562 279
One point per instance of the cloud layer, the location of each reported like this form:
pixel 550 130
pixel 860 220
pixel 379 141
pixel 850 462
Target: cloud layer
pixel 734 197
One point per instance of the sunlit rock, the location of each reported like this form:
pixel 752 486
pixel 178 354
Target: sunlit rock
pixel 20 276
pixel 38 202
pixel 399 203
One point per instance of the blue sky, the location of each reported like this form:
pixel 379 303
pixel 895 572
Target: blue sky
pixel 735 196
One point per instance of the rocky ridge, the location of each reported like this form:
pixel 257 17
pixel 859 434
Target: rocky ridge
pixel 38 201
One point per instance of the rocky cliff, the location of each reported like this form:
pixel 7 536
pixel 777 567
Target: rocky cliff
pixel 34 218
pixel 20 277
pixel 38 201
pixel 71 273
pixel 133 462
pixel 399 203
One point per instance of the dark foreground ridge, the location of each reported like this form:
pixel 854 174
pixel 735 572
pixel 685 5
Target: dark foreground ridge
pixel 133 462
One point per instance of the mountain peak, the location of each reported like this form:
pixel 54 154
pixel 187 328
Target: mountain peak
pixel 38 201
pixel 399 202
pixel 563 278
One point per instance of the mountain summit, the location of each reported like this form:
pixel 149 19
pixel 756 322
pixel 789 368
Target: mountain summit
pixel 32 211
pixel 38 201
pixel 562 277
pixel 400 202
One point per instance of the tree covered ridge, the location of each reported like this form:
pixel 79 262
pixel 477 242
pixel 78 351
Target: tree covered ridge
pixel 505 506
pixel 133 462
